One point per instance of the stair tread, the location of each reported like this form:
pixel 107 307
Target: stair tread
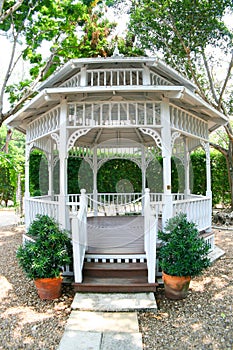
pixel 115 285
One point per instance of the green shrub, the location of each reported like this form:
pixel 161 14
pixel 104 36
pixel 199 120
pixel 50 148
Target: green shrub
pixel 183 252
pixel 51 249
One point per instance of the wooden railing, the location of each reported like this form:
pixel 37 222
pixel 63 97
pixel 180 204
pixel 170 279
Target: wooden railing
pixel 108 203
pixel 198 210
pixel 40 205
pixel 79 237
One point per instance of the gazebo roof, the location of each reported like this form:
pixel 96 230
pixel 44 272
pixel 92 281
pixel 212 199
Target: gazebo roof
pixel 178 89
pixel 72 67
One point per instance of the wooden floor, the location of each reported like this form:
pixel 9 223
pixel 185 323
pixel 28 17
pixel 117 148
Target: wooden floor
pixel 115 235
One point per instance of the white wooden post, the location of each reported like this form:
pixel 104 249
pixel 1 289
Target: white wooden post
pixel 143 169
pixel 50 169
pixel 146 75
pixel 95 191
pixel 150 232
pixel 79 237
pixel 186 168
pixel 63 210
pixel 166 154
pixel 83 80
pixel 27 190
pixel 208 183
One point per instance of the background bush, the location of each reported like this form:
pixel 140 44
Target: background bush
pixel 123 175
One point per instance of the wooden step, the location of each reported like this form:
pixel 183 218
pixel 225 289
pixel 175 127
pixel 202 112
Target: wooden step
pixel 92 269
pixel 115 277
pixel 115 285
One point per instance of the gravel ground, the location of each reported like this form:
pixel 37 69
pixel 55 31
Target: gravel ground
pixel 26 321
pixel 202 321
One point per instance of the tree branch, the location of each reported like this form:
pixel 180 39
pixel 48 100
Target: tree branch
pixel 209 77
pixel 226 81
pixel 219 148
pixel 187 51
pixel 30 91
pixel 1 7
pixel 7 75
pixel 10 11
pixel 229 131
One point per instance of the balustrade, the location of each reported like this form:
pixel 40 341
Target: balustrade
pixel 42 206
pixel 112 113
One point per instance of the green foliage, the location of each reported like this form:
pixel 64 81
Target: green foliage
pixel 183 252
pixel 119 175
pixel 68 29
pixel 219 176
pixel 11 164
pixel 181 29
pixel 7 178
pixel 51 249
pixel 38 173
pixel 124 174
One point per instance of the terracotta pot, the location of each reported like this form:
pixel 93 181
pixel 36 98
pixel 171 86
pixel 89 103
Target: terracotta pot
pixel 176 287
pixel 49 288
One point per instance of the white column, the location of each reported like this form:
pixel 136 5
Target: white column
pixel 146 75
pixel 83 80
pixel 186 168
pixel 95 190
pixel 208 184
pixel 63 212
pixel 50 169
pixel 27 191
pixel 208 170
pixel 166 154
pixel 143 169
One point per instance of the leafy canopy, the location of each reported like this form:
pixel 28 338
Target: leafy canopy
pixel 185 32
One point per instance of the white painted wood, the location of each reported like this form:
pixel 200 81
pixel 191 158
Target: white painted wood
pixel 79 237
pixel 187 168
pixel 27 190
pixel 150 233
pixel 63 154
pixel 44 125
pixel 43 206
pixel 120 113
pixel 126 258
pixel 206 147
pixel 189 123
pixel 197 210
pixel 110 101
pixel 166 154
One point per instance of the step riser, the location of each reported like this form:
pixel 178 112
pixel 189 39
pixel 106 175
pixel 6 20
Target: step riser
pixel 113 289
pixel 114 273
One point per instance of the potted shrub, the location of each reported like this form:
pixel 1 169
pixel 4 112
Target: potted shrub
pixel 183 255
pixel 44 254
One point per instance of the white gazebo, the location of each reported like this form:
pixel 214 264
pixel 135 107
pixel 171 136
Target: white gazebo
pixel 100 109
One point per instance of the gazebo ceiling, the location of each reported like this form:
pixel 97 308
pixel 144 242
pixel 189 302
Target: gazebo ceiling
pixel 122 137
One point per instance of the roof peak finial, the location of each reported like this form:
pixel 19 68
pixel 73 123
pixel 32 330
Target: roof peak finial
pixel 116 52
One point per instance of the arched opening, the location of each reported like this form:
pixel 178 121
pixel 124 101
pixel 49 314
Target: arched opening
pixel 119 175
